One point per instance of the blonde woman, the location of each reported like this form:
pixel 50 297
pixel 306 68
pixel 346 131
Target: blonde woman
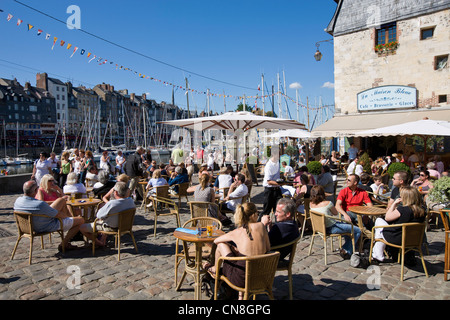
pixel 121 178
pixel 250 238
pixel 407 208
pixel 48 189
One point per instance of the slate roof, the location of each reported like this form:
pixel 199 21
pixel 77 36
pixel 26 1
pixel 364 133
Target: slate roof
pixel 357 15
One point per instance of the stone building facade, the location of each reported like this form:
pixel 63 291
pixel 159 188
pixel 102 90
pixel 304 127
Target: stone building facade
pixel 420 60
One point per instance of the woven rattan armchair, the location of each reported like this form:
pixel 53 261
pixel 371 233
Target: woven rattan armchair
pixel 159 192
pixel 25 227
pixel 412 239
pixel 202 209
pixel 167 207
pixel 286 265
pixel 319 228
pixel 126 220
pixel 259 275
pixel 182 192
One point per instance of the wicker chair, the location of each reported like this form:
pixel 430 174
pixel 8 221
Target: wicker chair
pixel 159 192
pixel 225 210
pixel 318 224
pixel 201 208
pixel 126 219
pixel 182 192
pixel 446 221
pixel 305 215
pixel 167 208
pixel 259 274
pixel 25 227
pixel 286 265
pixel 412 239
pixel 188 253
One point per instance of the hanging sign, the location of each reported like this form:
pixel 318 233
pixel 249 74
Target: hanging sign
pixel 387 97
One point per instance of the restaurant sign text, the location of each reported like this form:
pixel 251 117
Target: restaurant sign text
pixel 387 97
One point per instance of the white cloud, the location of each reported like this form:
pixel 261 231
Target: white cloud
pixel 328 85
pixel 295 85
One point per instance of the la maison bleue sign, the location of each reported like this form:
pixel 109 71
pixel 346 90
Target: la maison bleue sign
pixel 387 97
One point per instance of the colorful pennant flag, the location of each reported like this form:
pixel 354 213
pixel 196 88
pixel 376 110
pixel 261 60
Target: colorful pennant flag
pixel 54 41
pixel 69 46
pixel 74 50
pixel 39 32
pixel 30 27
pixel 19 22
pixel 9 17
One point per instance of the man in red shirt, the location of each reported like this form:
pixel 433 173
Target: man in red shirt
pixel 351 196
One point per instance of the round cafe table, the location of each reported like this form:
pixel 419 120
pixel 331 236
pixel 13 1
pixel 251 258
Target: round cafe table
pixel 199 241
pixel 87 207
pixel 372 212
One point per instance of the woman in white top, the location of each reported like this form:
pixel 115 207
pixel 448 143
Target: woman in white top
pixel 42 166
pixel 104 161
pixel 72 184
pixel 120 161
pixel 320 204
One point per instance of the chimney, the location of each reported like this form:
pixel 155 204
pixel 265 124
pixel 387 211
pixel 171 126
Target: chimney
pixel 42 81
pixel 144 96
pixel 132 96
pixel 111 88
pixel 69 87
pixel 27 86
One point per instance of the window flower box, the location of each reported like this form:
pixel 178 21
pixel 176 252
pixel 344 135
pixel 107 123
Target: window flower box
pixel 386 48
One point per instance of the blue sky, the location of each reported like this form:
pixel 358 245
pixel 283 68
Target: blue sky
pixel 233 41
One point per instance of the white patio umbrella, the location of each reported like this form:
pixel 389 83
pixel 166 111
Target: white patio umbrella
pixel 423 127
pixel 291 133
pixel 236 120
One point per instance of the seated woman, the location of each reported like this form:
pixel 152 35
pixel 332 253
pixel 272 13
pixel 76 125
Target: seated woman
pixel 422 183
pixel 407 208
pixel 156 181
pixel 72 184
pixel 205 193
pixel 49 190
pixel 104 184
pixel 110 195
pixel 250 238
pixel 303 191
pixel 320 204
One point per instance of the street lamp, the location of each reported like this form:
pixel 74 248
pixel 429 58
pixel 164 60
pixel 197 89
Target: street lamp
pixel 318 54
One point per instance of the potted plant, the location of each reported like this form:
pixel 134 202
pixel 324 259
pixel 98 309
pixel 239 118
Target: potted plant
pixel 398 166
pixel 366 162
pixel 314 168
pixel 389 47
pixel 439 195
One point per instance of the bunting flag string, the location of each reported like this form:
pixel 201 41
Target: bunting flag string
pixel 102 61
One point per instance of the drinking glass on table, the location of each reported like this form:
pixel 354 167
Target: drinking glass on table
pixel 91 196
pixel 72 197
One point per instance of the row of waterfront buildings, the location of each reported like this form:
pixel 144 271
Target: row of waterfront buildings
pixel 56 111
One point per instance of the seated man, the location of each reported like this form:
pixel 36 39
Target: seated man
pixel 58 209
pixel 352 196
pixel 177 177
pixel 238 189
pixel 285 229
pixel 120 203
pixel 288 170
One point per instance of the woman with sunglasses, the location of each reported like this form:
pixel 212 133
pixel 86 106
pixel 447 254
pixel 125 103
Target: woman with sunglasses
pixel 422 183
pixel 49 190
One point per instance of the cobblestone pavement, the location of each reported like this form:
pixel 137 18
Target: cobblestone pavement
pixel 149 274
